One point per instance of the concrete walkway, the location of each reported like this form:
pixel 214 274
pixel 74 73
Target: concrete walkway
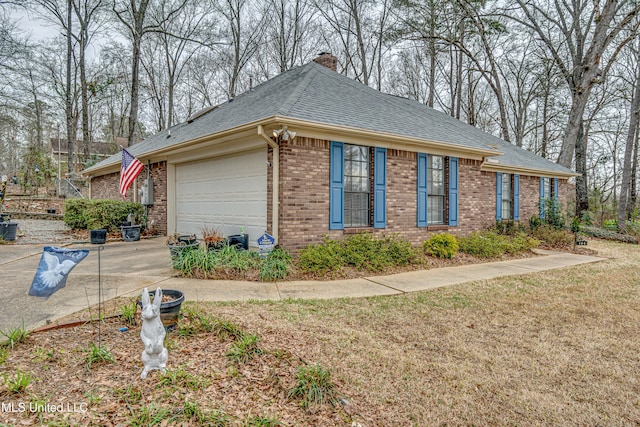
pixel 127 267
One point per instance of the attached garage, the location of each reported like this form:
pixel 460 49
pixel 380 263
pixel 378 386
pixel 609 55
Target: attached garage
pixel 228 192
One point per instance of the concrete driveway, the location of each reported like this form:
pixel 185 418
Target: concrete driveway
pixel 125 268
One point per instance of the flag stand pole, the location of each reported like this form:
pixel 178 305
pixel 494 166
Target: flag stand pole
pixel 100 248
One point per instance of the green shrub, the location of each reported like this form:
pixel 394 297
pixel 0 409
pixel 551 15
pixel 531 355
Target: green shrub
pixel 362 251
pixel 534 222
pixel 322 257
pixel 443 245
pixel 490 244
pixel 92 214
pixel 398 251
pixel 520 243
pixel 601 233
pixel 553 237
pixel 483 244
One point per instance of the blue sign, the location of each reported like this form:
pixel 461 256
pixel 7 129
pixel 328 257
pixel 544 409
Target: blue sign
pixel 266 243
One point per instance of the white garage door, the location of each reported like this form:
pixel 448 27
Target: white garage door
pixel 227 192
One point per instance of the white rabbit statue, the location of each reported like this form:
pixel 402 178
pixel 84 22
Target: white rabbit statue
pixel 154 355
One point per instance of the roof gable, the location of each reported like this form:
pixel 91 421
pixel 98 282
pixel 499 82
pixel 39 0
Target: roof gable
pixel 314 93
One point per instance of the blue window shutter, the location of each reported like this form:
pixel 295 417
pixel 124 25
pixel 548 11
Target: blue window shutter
pixel 542 197
pixel 498 196
pixel 336 186
pixel 380 188
pixel 422 190
pixel 516 197
pixel 453 191
pixel 555 189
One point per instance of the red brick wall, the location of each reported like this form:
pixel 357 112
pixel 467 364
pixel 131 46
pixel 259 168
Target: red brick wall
pixel 304 196
pixel 108 187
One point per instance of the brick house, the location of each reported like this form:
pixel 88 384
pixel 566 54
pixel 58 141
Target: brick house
pixel 311 153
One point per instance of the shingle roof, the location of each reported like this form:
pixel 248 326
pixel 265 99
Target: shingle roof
pixel 317 94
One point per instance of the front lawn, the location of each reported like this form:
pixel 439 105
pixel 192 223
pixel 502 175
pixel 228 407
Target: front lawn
pixel 552 348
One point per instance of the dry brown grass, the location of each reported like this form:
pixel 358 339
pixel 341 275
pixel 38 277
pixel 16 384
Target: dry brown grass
pixel 554 348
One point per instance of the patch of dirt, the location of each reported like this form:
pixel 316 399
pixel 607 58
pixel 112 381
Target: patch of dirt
pixel 113 394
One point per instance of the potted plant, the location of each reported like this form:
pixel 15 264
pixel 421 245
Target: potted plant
pixel 179 242
pixel 240 241
pixel 213 237
pixel 8 229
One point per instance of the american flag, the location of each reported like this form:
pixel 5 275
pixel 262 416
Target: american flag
pixel 131 168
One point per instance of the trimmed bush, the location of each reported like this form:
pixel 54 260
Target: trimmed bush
pixel 443 245
pixel 92 214
pixel 490 244
pixel 362 251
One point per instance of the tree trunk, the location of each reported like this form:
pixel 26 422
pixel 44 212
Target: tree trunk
pixel 582 190
pixel 634 116
pixel 69 95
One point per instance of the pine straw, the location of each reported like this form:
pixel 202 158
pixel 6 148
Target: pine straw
pixel 553 348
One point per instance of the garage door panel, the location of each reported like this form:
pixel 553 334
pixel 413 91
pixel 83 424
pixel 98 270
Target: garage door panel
pixel 227 193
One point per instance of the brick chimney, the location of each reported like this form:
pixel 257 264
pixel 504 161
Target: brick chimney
pixel 328 60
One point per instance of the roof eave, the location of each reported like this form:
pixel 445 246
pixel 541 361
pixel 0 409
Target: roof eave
pixel 383 139
pixel 497 167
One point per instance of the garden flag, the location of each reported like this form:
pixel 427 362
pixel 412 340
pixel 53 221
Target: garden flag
pixel 130 169
pixel 55 265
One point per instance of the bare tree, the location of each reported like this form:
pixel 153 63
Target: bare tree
pixel 577 34
pixel 135 16
pixel 634 119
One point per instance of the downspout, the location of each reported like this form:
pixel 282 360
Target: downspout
pixel 275 182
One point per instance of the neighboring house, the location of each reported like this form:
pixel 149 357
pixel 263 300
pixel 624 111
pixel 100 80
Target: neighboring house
pixel 59 148
pixel 312 153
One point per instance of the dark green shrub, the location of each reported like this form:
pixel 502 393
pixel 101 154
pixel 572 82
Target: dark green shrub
pixel 398 251
pixel 534 222
pixel 552 214
pixel 322 257
pixel 94 214
pixel 441 245
pixel 362 251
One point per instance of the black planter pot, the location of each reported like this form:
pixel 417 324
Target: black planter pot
pixel 240 241
pixel 130 233
pixel 98 237
pixel 169 310
pixel 8 230
pixel 187 239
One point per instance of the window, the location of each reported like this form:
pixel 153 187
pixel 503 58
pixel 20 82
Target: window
pixel 357 186
pixel 436 204
pixel 507 196
pixel 437 186
pixel 546 190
